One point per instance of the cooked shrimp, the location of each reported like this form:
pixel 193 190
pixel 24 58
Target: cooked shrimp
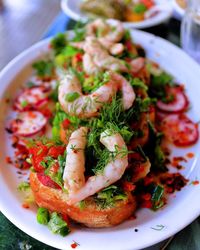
pixel 128 94
pixel 112 172
pixel 116 48
pixel 106 32
pixel 89 66
pixel 84 105
pixel 89 105
pixel 75 160
pixel 101 56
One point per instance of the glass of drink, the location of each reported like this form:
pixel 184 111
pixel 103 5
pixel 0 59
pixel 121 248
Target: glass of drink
pixel 190 29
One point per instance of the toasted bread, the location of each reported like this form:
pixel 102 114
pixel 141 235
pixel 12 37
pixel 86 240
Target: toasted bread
pixel 91 215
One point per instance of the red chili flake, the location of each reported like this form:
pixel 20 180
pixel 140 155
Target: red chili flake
pixel 146 197
pixel 173 182
pixel 148 180
pixel 146 204
pixel 195 182
pixel 25 205
pixel 74 245
pixel 65 218
pixel 66 123
pixel 190 155
pixel 128 186
pixel 79 57
pixel 179 158
pixel 8 160
pixel 47 112
pixel 32 114
pixel 133 217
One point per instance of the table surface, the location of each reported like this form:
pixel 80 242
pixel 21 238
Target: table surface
pixel 187 239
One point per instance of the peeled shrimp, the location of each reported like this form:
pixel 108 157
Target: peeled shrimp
pixel 84 105
pixel 75 160
pixel 128 94
pixel 108 37
pixel 107 32
pixel 89 66
pixel 101 56
pixel 89 105
pixel 112 172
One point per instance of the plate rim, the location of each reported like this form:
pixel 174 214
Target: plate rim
pixel 39 46
pixel 135 25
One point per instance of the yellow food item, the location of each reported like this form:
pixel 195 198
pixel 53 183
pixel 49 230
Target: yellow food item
pixel 130 16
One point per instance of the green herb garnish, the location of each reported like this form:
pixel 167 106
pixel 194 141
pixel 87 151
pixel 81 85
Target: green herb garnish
pixel 58 43
pixel 24 103
pixel 44 68
pixel 139 8
pixel 57 225
pixel 23 186
pixel 109 196
pixel 70 97
pixel 43 216
pixel 157 196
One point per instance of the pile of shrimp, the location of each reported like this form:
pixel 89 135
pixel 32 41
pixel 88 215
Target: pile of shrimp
pixel 99 55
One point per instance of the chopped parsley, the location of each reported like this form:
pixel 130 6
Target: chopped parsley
pixel 58 43
pixel 109 196
pixel 57 225
pixel 44 68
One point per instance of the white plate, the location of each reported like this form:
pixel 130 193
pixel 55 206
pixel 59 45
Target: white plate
pixel 72 9
pixel 180 211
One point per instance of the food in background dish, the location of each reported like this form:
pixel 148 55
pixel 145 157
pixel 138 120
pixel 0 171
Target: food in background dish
pixel 182 3
pixel 93 124
pixel 129 10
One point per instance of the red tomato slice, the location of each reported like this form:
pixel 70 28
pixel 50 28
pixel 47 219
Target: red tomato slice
pixel 38 153
pixel 55 151
pixel 47 181
pixel 179 103
pixel 180 130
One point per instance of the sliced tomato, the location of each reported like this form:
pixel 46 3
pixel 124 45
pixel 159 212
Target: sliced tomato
pixel 47 181
pixel 180 130
pixel 28 123
pixel 55 151
pixel 32 98
pixel 38 153
pixel 179 101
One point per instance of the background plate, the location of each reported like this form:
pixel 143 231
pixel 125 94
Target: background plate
pixel 72 9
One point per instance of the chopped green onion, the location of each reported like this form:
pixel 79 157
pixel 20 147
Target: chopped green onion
pixel 23 186
pixel 24 103
pixel 58 225
pixel 43 216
